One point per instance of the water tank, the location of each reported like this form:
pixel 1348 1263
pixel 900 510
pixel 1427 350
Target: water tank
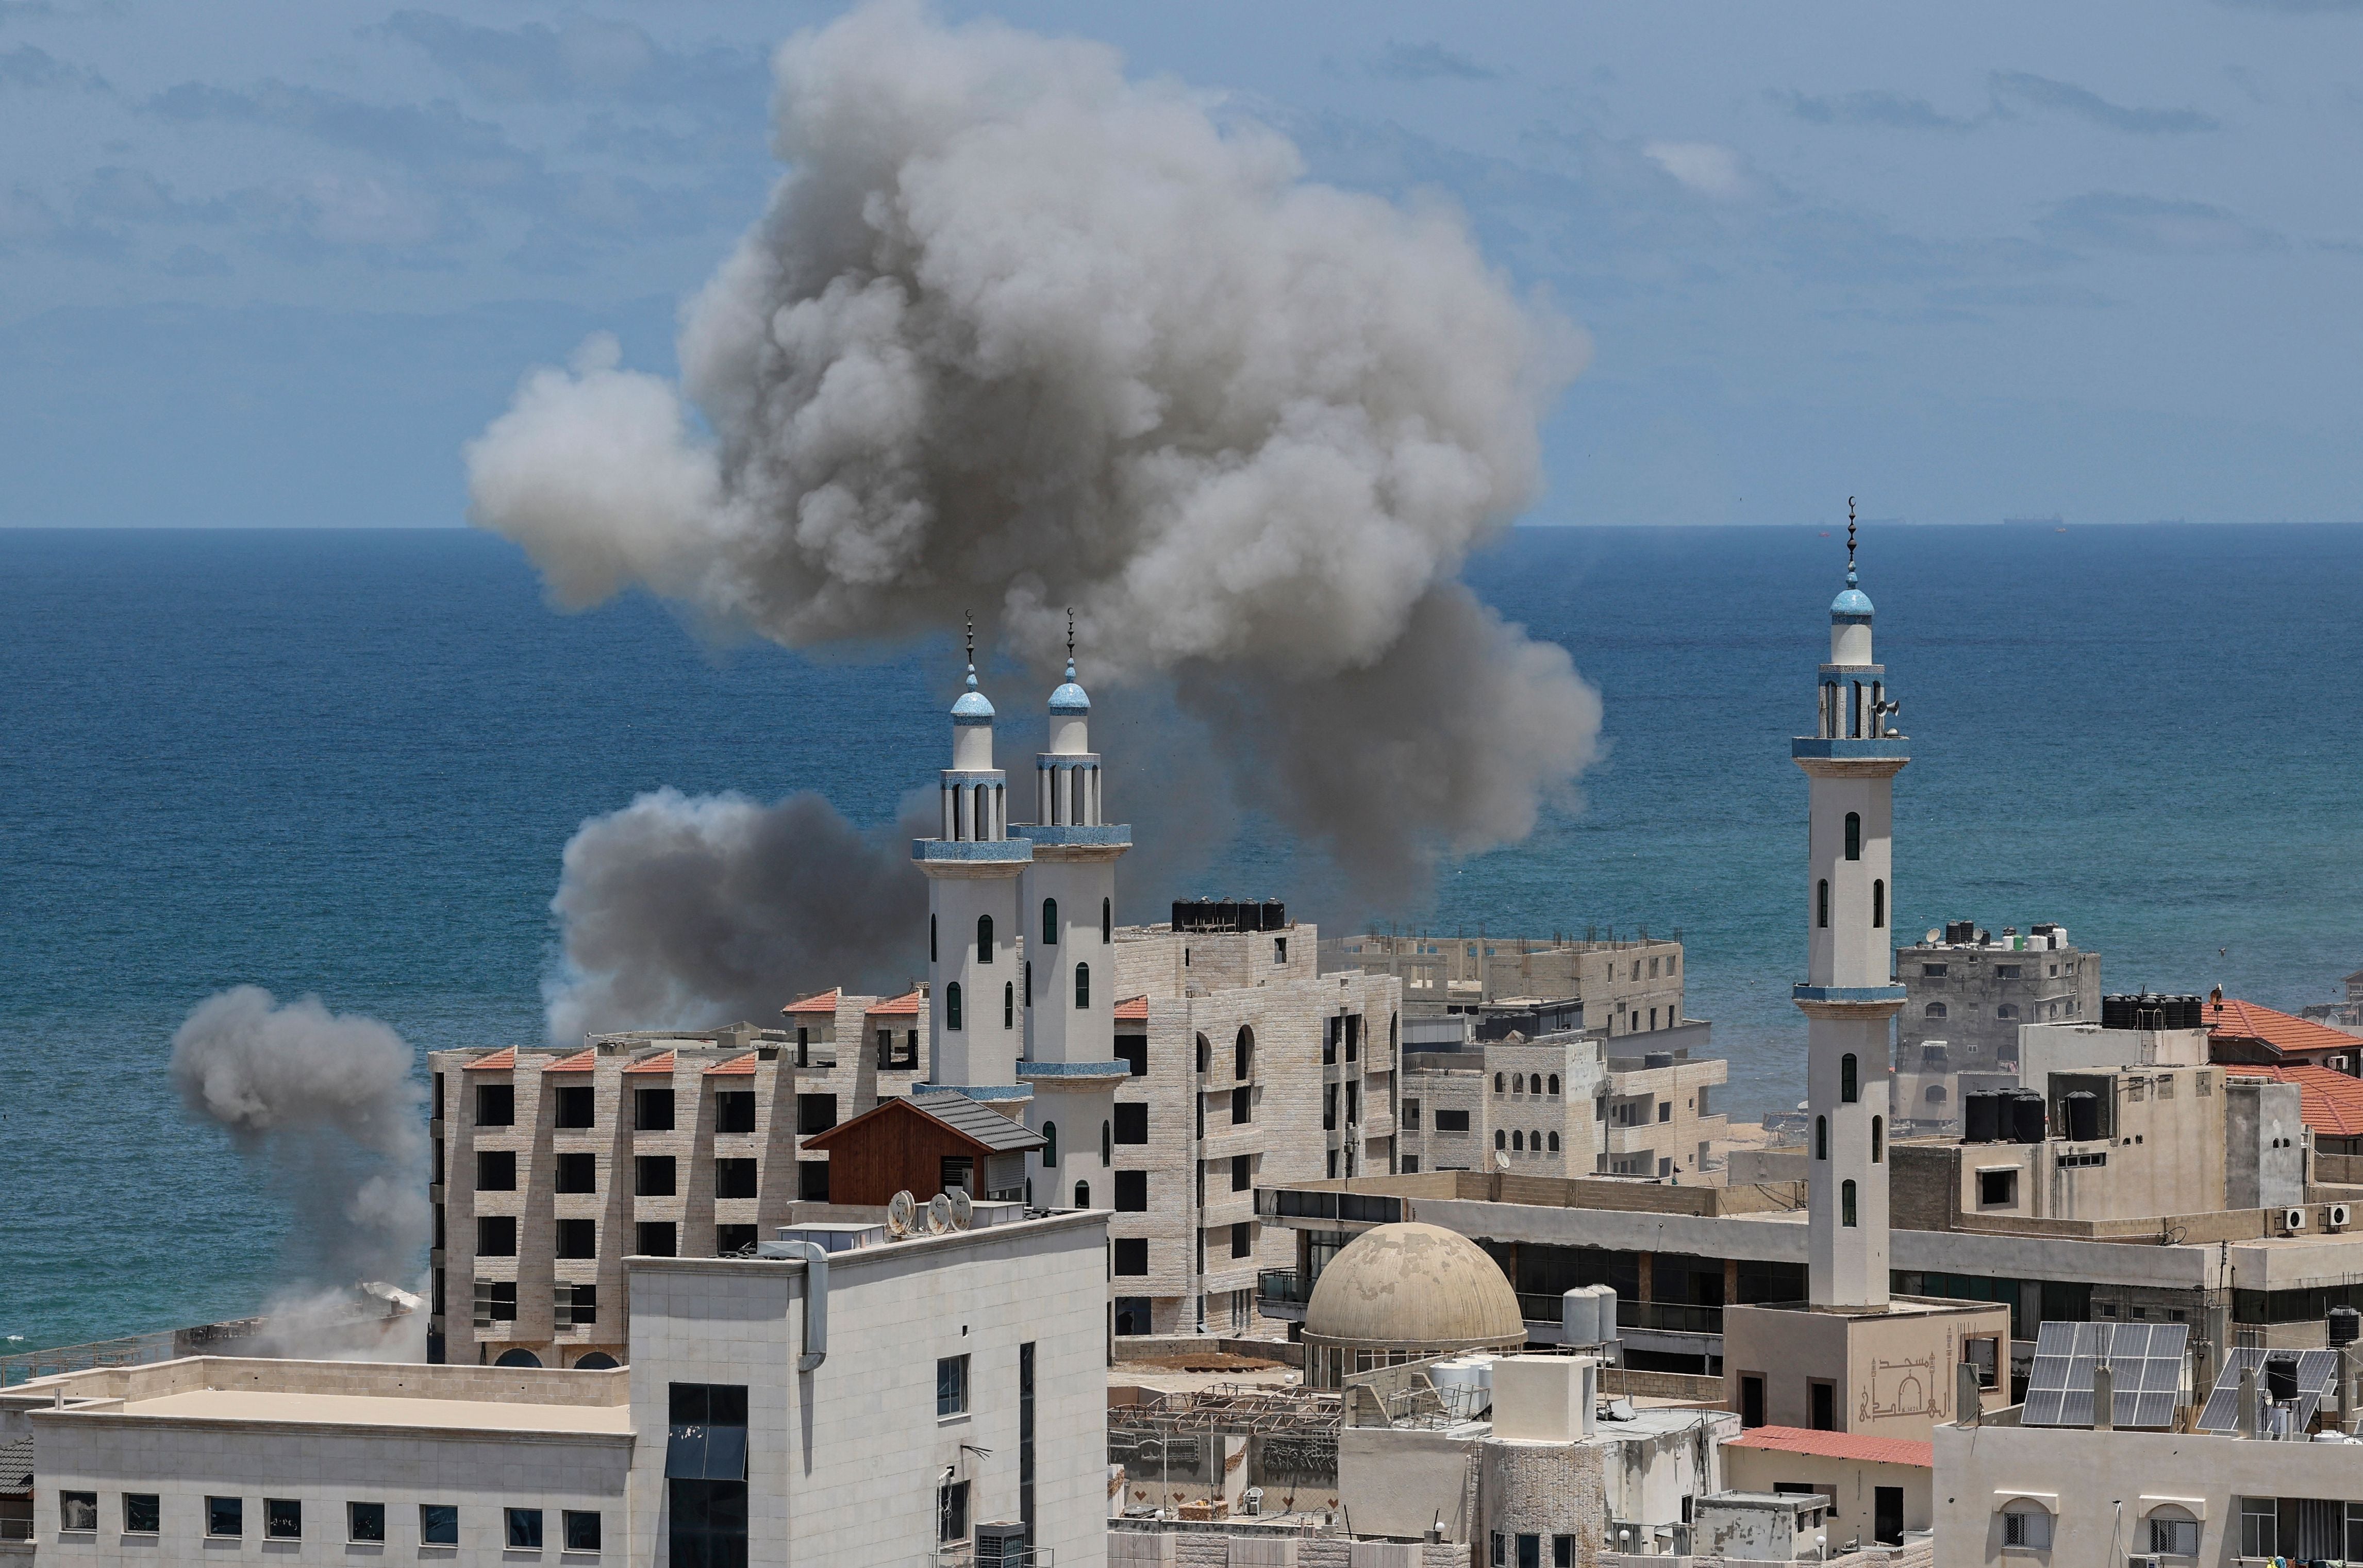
pixel 2346 1325
pixel 1958 931
pixel 1982 1117
pixel 2193 1014
pixel 2081 1112
pixel 1606 1294
pixel 2280 1378
pixel 1275 915
pixel 2026 1117
pixel 1579 1317
pixel 2117 1012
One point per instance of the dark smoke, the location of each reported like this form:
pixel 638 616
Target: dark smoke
pixel 1017 334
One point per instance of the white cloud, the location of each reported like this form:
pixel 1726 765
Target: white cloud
pixel 1705 167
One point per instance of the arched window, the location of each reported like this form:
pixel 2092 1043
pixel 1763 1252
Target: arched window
pixel 1107 1145
pixel 1535 1084
pixel 1854 836
pixel 931 939
pixel 1009 1004
pixel 1082 985
pixel 984 938
pixel 1554 1143
pixel 1822 904
pixel 1554 1082
pixel 1497 1083
pixel 1518 1140
pixel 1821 1138
pixel 1107 920
pixel 519 1358
pixel 1242 1053
pixel 1534 1141
pixel 1029 982
pixel 1849 1084
pixel 1932 1010
pixel 597 1360
pixel 1501 1139
pixel 1082 1194
pixel 1846 1205
pixel 1206 1056
pixel 2007 1010
pixel 1050 1145
pixel 2027 1525
pixel 1878 1139
pixel 1878 902
pixel 952 1005
pixel 2173 1532
pixel 1050 922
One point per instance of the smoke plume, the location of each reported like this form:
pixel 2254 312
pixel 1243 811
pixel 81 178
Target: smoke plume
pixel 1017 334
pixel 680 912
pixel 329 1101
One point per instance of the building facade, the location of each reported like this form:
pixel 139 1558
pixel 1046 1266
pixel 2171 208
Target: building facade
pixel 1967 994
pixel 1560 1105
pixel 1607 987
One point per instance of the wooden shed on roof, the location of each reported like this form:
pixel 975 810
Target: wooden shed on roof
pixel 922 1145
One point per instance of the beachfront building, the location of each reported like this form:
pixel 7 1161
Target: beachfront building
pixel 1604 986
pixel 1967 994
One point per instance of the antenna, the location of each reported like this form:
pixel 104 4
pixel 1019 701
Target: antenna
pixel 902 1215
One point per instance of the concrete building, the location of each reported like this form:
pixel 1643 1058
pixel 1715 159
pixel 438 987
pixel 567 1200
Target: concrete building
pixel 1967 994
pixel 1611 987
pixel 551 1165
pixel 1879 1488
pixel 862 1400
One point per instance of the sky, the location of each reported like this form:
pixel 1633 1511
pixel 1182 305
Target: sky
pixel 273 264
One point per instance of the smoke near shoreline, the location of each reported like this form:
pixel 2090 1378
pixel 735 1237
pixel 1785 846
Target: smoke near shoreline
pixel 1018 333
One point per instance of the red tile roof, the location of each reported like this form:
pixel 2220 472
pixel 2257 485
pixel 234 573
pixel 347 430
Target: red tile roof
pixel 736 1065
pixel 663 1062
pixel 1133 1009
pixel 906 1005
pixel 583 1061
pixel 2233 1019
pixel 2329 1100
pixel 824 1002
pixel 1838 1445
pixel 500 1061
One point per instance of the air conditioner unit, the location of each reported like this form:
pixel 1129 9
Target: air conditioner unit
pixel 1001 1544
pixel 2339 1216
pixel 2292 1220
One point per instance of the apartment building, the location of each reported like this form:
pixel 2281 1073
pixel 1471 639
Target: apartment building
pixel 1532 984
pixel 552 1166
pixel 1966 994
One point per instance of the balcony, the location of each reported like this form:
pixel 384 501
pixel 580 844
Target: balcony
pixel 1283 1287
pixel 1291 1202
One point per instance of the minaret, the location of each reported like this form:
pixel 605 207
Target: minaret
pixel 1068 898
pixel 1848 996
pixel 972 872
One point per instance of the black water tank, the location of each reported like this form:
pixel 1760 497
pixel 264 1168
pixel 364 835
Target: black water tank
pixel 2345 1326
pixel 2116 1012
pixel 1275 915
pixel 1982 1117
pixel 1958 931
pixel 2280 1378
pixel 2027 1117
pixel 2081 1112
pixel 2194 1016
pixel 1656 1059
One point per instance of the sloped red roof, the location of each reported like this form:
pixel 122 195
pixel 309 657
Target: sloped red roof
pixel 663 1062
pixel 1133 1009
pixel 2329 1100
pixel 825 1002
pixel 500 1061
pixel 583 1061
pixel 2283 1031
pixel 736 1065
pixel 906 1005
pixel 1838 1445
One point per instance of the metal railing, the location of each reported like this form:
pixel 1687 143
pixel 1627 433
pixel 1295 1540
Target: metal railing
pixel 1282 1288
pixel 1666 1316
pixel 16 1530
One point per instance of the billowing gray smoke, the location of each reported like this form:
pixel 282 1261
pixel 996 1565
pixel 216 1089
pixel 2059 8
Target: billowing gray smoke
pixel 1017 334
pixel 329 1100
pixel 680 912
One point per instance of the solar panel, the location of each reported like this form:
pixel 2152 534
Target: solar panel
pixel 2313 1372
pixel 2144 1358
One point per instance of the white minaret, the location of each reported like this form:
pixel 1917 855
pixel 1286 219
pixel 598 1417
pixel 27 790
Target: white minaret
pixel 1068 898
pixel 972 871
pixel 1848 996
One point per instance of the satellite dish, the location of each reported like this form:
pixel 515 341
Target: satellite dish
pixel 939 1214
pixel 902 1214
pixel 963 1208
pixel 1501 1159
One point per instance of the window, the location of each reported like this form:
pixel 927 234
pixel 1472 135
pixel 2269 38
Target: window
pixel 1050 1145
pixel 77 1511
pixel 1878 902
pixel 652 1175
pixel 734 1178
pixel 2009 971
pixel 496 1301
pixel 578 1238
pixel 1497 1083
pixel 2027 1527
pixel 1878 1139
pixel 1554 1143
pixel 1243 1240
pixel 581 1530
pixel 495 1171
pixel 1050 922
pixel 1530 1551
pixel 144 1512
pixel 1107 920
pixel 1846 1205
pixel 655 1238
pixel 576 1108
pixel 1132 1192
pixel 812 1181
pixel 1517 1141
pixel 1009 1004
pixel 1132 1124
pixel 736 1241
pixel 2259 1527
pixel 951 1511
pixel 1242 1105
pixel 1107 1143
pixel 1562 1551
pixel 1411 1113
pixel 952 1007
pixel 1665 1110
pixel 1451 1121
pixel 1082 1194
pixel 931 939
pixel 1132 1049
pixel 2173 1535
pixel 734 1111
pixel 439 1524
pixel 1242 1054
pixel 1821 1402
pixel 496 1236
pixel 1554 1082
pixel 1854 835
pixel 951 1386
pixel 1849 1083
pixel 984 938
pixel 652 1110
pixel 2007 1010
pixel 578 1173
pixel 579 1305
pixel 1206 1055
pixel 1936 970
pixel 226 1518
pixel 1933 1010
pixel 1131 1254
pixel 1997 1187
pixel 283 1518
pixel 1242 1172
pixel 1822 904
pixel 1501 1550
pixel 1501 1139
pixel 523 1528
pixel 816 1113
pixel 1082 986
pixel 495 1105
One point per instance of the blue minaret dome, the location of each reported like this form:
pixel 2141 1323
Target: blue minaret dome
pixel 1852 605
pixel 972 707
pixel 1070 697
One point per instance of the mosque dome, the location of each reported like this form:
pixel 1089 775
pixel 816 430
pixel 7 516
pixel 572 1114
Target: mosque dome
pixel 1852 602
pixel 1070 698
pixel 972 706
pixel 1400 1292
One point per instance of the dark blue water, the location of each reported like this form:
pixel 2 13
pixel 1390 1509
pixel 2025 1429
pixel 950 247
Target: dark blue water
pixel 346 762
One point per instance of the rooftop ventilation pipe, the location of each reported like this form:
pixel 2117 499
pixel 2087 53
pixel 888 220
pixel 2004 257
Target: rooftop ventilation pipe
pixel 816 1259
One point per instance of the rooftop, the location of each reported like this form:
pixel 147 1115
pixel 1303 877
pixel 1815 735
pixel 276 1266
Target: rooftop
pixel 379 1410
pixel 2235 1019
pixel 1838 1445
pixel 2329 1101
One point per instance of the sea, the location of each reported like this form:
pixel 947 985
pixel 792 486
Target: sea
pixel 344 762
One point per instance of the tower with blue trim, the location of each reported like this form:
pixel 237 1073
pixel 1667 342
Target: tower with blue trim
pixel 972 869
pixel 1848 996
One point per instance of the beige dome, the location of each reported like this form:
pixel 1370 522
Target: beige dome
pixel 1414 1286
